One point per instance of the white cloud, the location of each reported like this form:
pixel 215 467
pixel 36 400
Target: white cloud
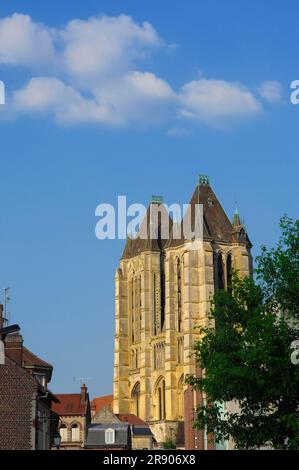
pixel 97 57
pixel 271 91
pixel 105 46
pixel 150 86
pixel 92 71
pixel 136 97
pixel 23 42
pixel 214 100
pixel 67 105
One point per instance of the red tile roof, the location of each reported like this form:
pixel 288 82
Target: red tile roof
pixel 131 419
pixel 70 404
pixel 99 402
pixel 36 364
pixel 30 359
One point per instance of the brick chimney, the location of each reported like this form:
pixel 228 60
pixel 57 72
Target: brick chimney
pixel 83 394
pixel 14 348
pixel 93 409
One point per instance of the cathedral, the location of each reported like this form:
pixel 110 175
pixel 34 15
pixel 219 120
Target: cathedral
pixel 163 292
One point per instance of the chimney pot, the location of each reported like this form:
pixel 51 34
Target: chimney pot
pixel 83 394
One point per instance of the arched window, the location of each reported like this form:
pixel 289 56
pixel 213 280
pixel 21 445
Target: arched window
pixel 180 349
pixel 158 286
pixel 181 398
pixel 136 399
pixel 155 326
pixel 109 436
pixel 220 272
pixel 63 432
pixel 179 295
pixel 229 272
pixel 137 309
pixel 160 404
pixel 75 432
pixel 241 234
pixel 134 358
pixel 157 317
pixel 132 308
pixel 159 355
pixel 161 400
pixel 162 291
pixel 140 301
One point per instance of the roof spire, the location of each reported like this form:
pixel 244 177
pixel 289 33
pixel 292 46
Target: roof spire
pixel 236 218
pixel 157 199
pixel 203 180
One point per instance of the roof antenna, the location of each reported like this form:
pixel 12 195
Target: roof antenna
pixel 6 312
pixel 82 380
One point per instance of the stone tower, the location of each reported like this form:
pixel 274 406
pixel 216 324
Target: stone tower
pixel 163 292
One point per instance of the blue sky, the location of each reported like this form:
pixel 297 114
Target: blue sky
pixel 175 89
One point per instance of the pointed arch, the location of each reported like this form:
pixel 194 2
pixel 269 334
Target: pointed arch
pixel 180 392
pixel 160 398
pixel 135 399
pixel 229 272
pixel 179 294
pixel 75 431
pixel 220 271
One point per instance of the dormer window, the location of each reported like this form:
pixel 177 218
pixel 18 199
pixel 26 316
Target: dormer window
pixel 41 379
pixel 109 436
pixel 241 234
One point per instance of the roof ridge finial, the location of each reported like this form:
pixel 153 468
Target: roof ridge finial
pixel 203 180
pixel 157 199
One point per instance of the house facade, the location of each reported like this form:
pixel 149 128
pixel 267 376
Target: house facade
pixel 74 414
pixel 27 421
pixel 141 436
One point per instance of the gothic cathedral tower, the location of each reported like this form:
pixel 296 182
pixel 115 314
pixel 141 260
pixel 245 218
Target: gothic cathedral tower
pixel 163 292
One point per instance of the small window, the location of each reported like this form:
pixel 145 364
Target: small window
pixel 41 379
pixel 75 433
pixel 109 436
pixel 63 432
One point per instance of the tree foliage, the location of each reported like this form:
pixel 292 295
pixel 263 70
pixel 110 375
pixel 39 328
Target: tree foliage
pixel 245 353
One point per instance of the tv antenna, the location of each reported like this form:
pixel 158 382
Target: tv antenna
pixel 6 311
pixel 82 380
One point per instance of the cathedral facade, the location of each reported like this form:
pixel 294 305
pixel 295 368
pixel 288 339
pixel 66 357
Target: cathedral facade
pixel 163 292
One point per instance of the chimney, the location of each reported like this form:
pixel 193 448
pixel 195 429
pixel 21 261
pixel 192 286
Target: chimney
pixel 93 409
pixel 14 348
pixel 83 394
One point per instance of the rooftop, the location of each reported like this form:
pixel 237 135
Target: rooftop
pixel 99 402
pixel 70 404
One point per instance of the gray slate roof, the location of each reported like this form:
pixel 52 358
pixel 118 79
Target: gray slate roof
pixel 138 430
pixel 96 435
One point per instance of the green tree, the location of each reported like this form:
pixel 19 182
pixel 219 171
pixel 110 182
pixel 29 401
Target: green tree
pixel 245 352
